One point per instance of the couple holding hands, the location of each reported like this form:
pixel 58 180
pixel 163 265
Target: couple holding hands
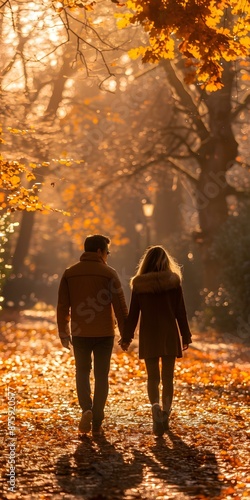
pixel 90 303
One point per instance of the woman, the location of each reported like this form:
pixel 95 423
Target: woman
pixel 164 331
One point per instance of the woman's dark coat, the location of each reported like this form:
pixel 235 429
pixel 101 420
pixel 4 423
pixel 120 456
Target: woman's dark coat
pixel 163 321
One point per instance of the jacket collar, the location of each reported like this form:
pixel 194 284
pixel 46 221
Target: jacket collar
pixel 91 256
pixel 155 282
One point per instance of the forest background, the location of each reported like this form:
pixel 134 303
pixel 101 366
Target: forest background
pixel 106 105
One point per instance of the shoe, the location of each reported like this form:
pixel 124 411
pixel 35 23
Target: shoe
pixel 85 422
pixel 165 423
pixel 97 431
pixel 158 428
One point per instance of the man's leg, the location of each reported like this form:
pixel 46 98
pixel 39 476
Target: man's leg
pixel 82 352
pixel 102 353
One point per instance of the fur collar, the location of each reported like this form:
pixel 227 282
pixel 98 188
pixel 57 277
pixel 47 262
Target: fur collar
pixel 156 282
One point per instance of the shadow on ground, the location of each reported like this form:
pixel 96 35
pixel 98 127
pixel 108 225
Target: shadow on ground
pixel 96 470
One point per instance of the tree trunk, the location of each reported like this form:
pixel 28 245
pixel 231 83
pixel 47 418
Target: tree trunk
pixel 26 227
pixel 23 242
pixel 167 203
pixel 216 156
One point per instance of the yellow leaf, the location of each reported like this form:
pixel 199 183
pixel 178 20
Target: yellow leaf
pixel 245 77
pixel 135 53
pixel 131 5
pixel 123 22
pixel 15 180
pixel 30 176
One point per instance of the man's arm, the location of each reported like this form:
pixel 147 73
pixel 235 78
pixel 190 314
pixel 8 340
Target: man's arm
pixel 132 320
pixel 63 313
pixel 118 302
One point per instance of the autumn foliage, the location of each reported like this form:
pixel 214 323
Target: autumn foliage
pixel 14 195
pixel 205 455
pixel 205 32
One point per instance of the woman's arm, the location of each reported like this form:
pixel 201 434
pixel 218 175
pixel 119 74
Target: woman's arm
pixel 132 320
pixel 182 321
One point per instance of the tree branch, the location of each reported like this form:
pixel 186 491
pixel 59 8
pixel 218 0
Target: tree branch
pixel 180 168
pixel 140 168
pixel 186 100
pixel 183 141
pixel 241 106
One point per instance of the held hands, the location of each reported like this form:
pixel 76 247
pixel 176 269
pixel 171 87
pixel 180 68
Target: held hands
pixel 124 345
pixel 66 342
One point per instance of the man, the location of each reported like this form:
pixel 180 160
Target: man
pixel 90 300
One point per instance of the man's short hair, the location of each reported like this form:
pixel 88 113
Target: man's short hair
pixel 96 241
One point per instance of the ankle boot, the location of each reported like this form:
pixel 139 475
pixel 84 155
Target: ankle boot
pixel 165 420
pixel 158 428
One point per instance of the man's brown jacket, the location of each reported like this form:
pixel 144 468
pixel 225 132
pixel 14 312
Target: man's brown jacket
pixel 90 299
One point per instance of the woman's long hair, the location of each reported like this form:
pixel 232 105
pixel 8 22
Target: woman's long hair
pixel 156 259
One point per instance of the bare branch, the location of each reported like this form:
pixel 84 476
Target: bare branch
pixel 8 67
pixel 79 38
pixel 241 107
pixel 88 26
pixel 183 141
pixel 185 99
pixel 141 168
pixel 180 168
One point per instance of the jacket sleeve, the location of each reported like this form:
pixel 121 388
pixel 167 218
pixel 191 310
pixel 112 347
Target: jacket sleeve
pixel 63 309
pixel 181 317
pixel 132 319
pixel 118 302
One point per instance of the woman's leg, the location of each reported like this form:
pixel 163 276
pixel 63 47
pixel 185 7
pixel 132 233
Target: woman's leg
pixel 153 371
pixel 167 377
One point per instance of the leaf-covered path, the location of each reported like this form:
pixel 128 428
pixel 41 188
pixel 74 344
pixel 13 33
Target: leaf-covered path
pixel 204 456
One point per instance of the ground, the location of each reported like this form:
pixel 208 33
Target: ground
pixel 205 455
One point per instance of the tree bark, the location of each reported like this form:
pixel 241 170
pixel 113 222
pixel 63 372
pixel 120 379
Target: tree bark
pixel 26 226
pixel 216 156
pixel 23 242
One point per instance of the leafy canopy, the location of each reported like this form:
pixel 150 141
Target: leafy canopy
pixel 205 32
pixel 14 195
